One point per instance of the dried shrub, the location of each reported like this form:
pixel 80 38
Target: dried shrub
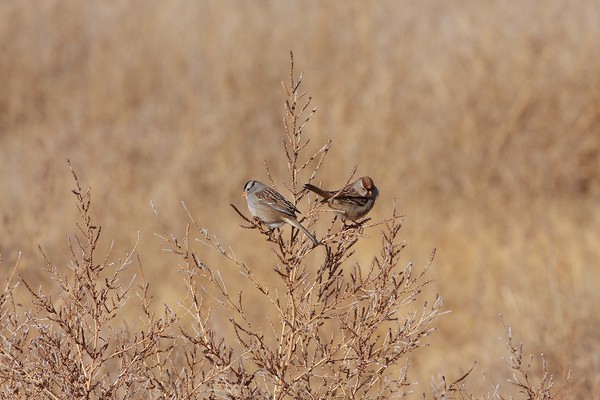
pixel 70 344
pixel 338 330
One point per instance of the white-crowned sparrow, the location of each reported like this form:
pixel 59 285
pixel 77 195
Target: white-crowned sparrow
pixel 353 201
pixel 271 208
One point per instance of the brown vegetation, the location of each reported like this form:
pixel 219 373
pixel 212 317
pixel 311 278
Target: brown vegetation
pixel 479 119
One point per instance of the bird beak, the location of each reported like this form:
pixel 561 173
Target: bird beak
pixel 243 194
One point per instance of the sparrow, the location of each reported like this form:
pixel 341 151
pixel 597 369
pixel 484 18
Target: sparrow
pixel 271 208
pixel 353 201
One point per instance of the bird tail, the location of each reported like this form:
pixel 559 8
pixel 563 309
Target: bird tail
pixel 323 193
pixel 298 225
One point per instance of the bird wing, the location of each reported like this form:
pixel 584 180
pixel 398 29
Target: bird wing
pixel 277 202
pixel 356 200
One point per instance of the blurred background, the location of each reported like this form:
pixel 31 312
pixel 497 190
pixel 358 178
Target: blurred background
pixel 481 120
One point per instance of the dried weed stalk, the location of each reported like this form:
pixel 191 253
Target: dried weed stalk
pixel 524 379
pixel 523 374
pixel 338 329
pixel 70 345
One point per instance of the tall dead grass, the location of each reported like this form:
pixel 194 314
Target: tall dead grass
pixel 481 119
pixel 333 328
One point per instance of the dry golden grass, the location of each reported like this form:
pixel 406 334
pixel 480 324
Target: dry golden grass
pixel 481 119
